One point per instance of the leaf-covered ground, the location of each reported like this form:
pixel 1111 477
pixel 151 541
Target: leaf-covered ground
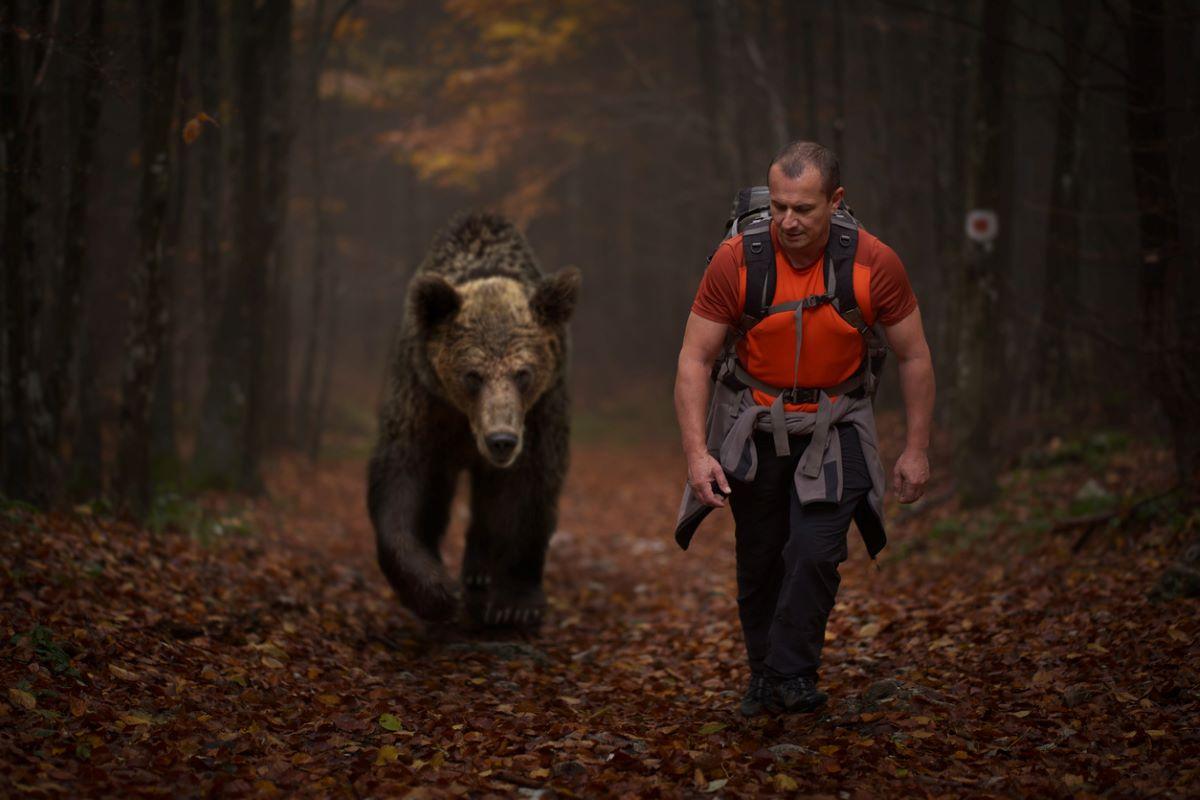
pixel 247 650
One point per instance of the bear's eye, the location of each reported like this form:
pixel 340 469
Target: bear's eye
pixel 473 382
pixel 523 377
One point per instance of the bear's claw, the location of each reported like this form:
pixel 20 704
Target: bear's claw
pixel 479 580
pixel 517 616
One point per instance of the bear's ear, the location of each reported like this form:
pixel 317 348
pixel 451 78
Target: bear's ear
pixel 553 300
pixel 433 301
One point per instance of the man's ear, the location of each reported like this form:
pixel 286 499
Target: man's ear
pixel 433 301
pixel 553 300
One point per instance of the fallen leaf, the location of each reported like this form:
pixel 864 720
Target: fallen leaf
pixel 387 754
pixel 786 783
pixel 122 673
pixel 712 728
pixel 22 698
pixel 389 722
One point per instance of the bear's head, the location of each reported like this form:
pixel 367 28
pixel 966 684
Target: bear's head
pixel 495 345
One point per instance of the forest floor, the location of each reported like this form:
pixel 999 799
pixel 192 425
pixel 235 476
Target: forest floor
pixel 243 648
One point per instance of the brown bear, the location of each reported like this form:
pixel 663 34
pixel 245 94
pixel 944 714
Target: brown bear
pixel 478 383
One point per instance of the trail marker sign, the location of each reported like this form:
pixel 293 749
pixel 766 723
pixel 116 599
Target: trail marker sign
pixel 982 225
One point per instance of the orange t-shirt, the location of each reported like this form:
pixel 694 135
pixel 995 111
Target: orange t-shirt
pixel 831 351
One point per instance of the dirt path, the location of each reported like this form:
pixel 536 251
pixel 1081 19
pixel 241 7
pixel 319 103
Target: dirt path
pixel 279 663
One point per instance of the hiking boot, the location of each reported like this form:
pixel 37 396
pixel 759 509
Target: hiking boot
pixel 759 697
pixel 799 694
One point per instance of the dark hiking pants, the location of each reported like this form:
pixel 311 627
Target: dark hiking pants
pixel 788 556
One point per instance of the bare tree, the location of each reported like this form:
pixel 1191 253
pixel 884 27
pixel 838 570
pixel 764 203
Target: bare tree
pixel 160 41
pixel 1054 361
pixel 1171 360
pixel 209 79
pixel 29 462
pixel 229 446
pixel 981 369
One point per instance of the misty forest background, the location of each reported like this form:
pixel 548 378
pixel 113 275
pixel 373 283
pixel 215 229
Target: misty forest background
pixel 211 209
pixel 209 213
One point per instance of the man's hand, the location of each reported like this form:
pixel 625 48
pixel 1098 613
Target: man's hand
pixel 702 342
pixel 703 471
pixel 907 339
pixel 910 475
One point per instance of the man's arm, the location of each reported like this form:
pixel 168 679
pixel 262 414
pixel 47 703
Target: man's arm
pixel 702 342
pixel 907 340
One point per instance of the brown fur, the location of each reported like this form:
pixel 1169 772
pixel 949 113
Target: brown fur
pixel 478 384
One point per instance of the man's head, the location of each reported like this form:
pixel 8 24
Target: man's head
pixel 805 184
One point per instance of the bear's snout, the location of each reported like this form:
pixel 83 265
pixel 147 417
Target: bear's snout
pixel 501 446
pixel 499 422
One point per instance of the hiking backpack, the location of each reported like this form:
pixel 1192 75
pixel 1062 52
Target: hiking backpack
pixel 751 217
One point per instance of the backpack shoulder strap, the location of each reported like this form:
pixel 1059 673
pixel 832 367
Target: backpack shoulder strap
pixel 759 255
pixel 843 243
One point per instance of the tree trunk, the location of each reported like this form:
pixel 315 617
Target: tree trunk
pixel 229 444
pixel 73 274
pixel 220 444
pixel 161 38
pixel 946 114
pixel 981 355
pixel 319 298
pixel 15 464
pixel 271 417
pixel 839 81
pixel 1170 360
pixel 715 79
pixel 208 72
pixel 800 61
pixel 87 453
pixel 30 463
pixel 1054 361
pixel 164 450
pixel 331 334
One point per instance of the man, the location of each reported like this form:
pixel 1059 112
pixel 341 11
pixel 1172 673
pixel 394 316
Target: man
pixel 792 484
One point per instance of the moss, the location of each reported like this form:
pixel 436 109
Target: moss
pixel 172 511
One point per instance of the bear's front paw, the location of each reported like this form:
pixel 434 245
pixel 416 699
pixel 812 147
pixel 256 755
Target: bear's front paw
pixel 434 601
pixel 523 611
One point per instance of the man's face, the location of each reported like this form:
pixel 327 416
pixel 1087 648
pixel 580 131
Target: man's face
pixel 801 211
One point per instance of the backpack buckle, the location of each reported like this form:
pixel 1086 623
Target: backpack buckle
pixel 814 300
pixel 800 395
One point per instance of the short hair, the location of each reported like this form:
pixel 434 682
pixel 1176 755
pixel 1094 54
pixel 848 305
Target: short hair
pixel 797 156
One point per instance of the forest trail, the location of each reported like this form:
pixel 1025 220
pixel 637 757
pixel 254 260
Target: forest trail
pixel 981 659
